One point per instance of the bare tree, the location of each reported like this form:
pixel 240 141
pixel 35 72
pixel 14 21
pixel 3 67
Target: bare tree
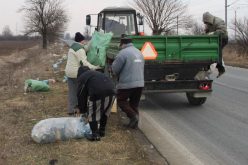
pixel 240 27
pixel 7 33
pixel 46 17
pixel 196 28
pixel 163 15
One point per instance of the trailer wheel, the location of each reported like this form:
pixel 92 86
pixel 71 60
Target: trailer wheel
pixel 195 101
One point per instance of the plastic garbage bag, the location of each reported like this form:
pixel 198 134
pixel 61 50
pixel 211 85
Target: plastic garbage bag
pixel 55 129
pixel 36 85
pixel 55 67
pixel 58 63
pixel 65 79
pixel 96 54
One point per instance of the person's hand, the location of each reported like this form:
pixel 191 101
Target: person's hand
pixel 211 33
pixel 76 112
pixel 98 67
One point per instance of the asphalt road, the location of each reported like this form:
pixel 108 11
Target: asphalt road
pixel 214 133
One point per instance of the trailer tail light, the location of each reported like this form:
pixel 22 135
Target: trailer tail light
pixel 205 86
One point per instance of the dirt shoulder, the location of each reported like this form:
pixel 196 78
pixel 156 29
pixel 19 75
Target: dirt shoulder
pixel 20 112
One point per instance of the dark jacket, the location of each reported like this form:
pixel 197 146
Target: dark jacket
pixel 92 85
pixel 215 24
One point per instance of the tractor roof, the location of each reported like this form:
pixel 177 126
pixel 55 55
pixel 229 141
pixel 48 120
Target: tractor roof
pixel 114 9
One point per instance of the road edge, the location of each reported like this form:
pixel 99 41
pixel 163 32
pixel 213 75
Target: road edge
pixel 165 143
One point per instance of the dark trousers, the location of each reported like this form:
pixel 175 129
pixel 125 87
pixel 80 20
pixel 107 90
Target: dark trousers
pixel 223 42
pixel 128 100
pixel 99 110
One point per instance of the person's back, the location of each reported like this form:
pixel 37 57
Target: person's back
pixel 73 60
pixel 215 24
pixel 95 98
pixel 97 84
pixel 129 66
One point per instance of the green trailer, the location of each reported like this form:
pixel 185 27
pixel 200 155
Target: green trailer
pixel 173 63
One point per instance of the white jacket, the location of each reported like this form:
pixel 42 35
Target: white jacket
pixel 75 55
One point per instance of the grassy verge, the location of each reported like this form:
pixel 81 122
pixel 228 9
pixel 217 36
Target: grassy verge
pixel 20 112
pixel 232 58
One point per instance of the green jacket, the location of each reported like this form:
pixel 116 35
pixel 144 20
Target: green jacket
pixel 215 24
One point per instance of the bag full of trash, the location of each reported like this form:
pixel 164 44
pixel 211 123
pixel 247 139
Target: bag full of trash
pixel 56 129
pixel 36 85
pixel 97 48
pixel 31 85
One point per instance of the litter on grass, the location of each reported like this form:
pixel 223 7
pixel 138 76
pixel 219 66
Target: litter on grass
pixel 31 85
pixel 60 129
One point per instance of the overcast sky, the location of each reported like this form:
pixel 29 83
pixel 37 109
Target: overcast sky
pixel 78 9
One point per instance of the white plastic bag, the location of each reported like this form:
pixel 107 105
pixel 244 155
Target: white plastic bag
pixel 54 129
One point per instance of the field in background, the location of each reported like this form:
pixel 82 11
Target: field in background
pixel 232 58
pixel 20 112
pixel 8 47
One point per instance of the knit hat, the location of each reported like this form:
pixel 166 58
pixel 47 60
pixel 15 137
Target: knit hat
pixel 125 39
pixel 79 37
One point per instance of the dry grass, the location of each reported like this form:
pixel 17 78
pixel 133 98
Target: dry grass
pixel 232 58
pixel 19 113
pixel 7 47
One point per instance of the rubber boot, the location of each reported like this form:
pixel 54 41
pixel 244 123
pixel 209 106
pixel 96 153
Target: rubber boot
pixel 94 136
pixel 103 123
pixel 221 70
pixel 133 123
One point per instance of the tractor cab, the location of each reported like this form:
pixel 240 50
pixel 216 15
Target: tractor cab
pixel 118 21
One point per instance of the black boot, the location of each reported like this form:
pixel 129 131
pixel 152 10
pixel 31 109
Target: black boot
pixel 94 136
pixel 221 69
pixel 133 123
pixel 103 123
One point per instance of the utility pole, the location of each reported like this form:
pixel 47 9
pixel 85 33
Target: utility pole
pixel 226 12
pixel 235 32
pixel 177 25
